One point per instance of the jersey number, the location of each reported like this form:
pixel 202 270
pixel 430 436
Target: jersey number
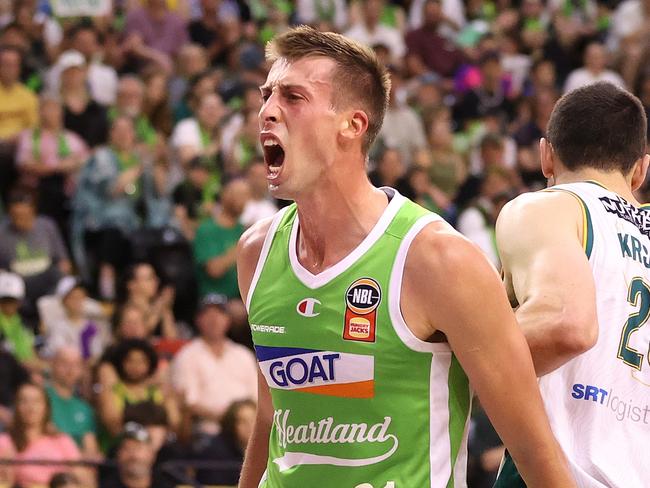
pixel 638 295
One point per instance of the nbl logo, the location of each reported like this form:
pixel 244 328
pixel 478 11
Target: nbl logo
pixel 363 296
pixel 362 299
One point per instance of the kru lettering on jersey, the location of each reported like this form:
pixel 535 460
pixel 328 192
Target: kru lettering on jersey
pixel 318 372
pixel 632 248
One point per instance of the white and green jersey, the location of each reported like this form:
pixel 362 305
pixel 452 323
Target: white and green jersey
pixel 599 402
pixel 359 401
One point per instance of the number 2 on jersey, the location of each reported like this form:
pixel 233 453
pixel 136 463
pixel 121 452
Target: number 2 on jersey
pixel 638 295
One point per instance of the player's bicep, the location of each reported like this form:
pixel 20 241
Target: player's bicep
pixel 540 239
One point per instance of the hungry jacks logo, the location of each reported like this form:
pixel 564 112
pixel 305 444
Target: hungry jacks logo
pixel 362 299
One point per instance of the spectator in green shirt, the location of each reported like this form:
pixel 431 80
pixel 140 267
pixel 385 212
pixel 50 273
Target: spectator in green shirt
pixel 15 337
pixel 216 242
pixel 70 413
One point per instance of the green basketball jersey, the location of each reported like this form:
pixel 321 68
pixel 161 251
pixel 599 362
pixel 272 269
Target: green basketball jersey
pixel 359 401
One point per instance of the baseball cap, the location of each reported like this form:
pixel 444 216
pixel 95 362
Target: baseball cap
pixel 11 286
pixel 66 285
pixel 70 59
pixel 213 300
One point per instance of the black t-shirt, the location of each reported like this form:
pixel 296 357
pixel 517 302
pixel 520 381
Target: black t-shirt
pixel 200 34
pixel 189 196
pixel 13 375
pixel 221 449
pixel 91 124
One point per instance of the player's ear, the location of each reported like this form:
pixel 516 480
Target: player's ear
pixel 355 125
pixel 547 156
pixel 639 172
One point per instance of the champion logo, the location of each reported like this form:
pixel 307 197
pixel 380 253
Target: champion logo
pixel 306 307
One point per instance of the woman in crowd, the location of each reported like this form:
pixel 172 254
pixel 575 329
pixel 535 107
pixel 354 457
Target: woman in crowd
pixel 229 446
pixel 49 158
pixel 137 381
pixel 143 290
pixel 32 436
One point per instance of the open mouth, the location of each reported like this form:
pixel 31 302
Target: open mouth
pixel 273 157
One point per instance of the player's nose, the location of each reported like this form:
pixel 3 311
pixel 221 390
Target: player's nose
pixel 270 111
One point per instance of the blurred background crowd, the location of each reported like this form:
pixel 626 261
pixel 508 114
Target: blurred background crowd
pixel 130 165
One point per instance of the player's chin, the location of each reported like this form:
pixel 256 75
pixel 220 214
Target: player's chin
pixel 280 190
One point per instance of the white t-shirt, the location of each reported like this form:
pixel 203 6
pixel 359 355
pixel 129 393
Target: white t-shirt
pixel 256 210
pixel 382 34
pixel 582 77
pixel 187 133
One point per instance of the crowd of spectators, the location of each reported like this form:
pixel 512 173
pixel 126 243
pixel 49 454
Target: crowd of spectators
pixel 130 166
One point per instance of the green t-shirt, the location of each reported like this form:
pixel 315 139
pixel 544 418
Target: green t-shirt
pixel 18 339
pixel 211 241
pixel 71 415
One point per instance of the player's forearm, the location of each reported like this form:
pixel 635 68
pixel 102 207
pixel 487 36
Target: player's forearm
pixel 511 398
pixel 542 466
pixel 256 458
pixel 554 334
pixel 218 266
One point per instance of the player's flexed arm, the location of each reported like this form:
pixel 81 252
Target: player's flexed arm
pixel 449 286
pixel 547 274
pixel 248 252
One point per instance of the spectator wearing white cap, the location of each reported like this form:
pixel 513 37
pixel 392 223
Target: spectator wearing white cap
pixel 71 318
pixel 85 38
pixel 83 114
pixel 16 338
pixel 102 79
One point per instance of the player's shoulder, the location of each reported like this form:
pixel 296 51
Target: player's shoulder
pixel 542 199
pixel 540 206
pixel 251 241
pixel 440 249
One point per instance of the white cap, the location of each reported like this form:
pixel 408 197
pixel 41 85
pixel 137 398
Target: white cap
pixel 70 59
pixel 11 286
pixel 66 285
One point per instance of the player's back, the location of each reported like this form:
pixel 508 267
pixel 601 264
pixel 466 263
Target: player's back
pixel 599 402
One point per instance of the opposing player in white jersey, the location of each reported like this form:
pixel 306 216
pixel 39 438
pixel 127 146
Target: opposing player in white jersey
pixel 576 263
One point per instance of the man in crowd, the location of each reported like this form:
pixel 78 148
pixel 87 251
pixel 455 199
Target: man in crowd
pixel 212 371
pixel 70 413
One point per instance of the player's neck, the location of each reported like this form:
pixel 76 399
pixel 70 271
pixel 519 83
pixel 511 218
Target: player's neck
pixel 613 181
pixel 335 219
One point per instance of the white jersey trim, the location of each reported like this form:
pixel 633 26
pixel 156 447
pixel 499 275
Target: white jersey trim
pixel 395 291
pixel 314 281
pixel 440 468
pixel 266 248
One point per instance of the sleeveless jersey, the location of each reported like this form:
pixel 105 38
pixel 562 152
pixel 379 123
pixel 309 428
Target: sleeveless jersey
pixel 599 402
pixel 359 401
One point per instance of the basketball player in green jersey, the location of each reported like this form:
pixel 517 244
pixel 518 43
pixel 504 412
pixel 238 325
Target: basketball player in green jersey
pixel 576 265
pixel 370 315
